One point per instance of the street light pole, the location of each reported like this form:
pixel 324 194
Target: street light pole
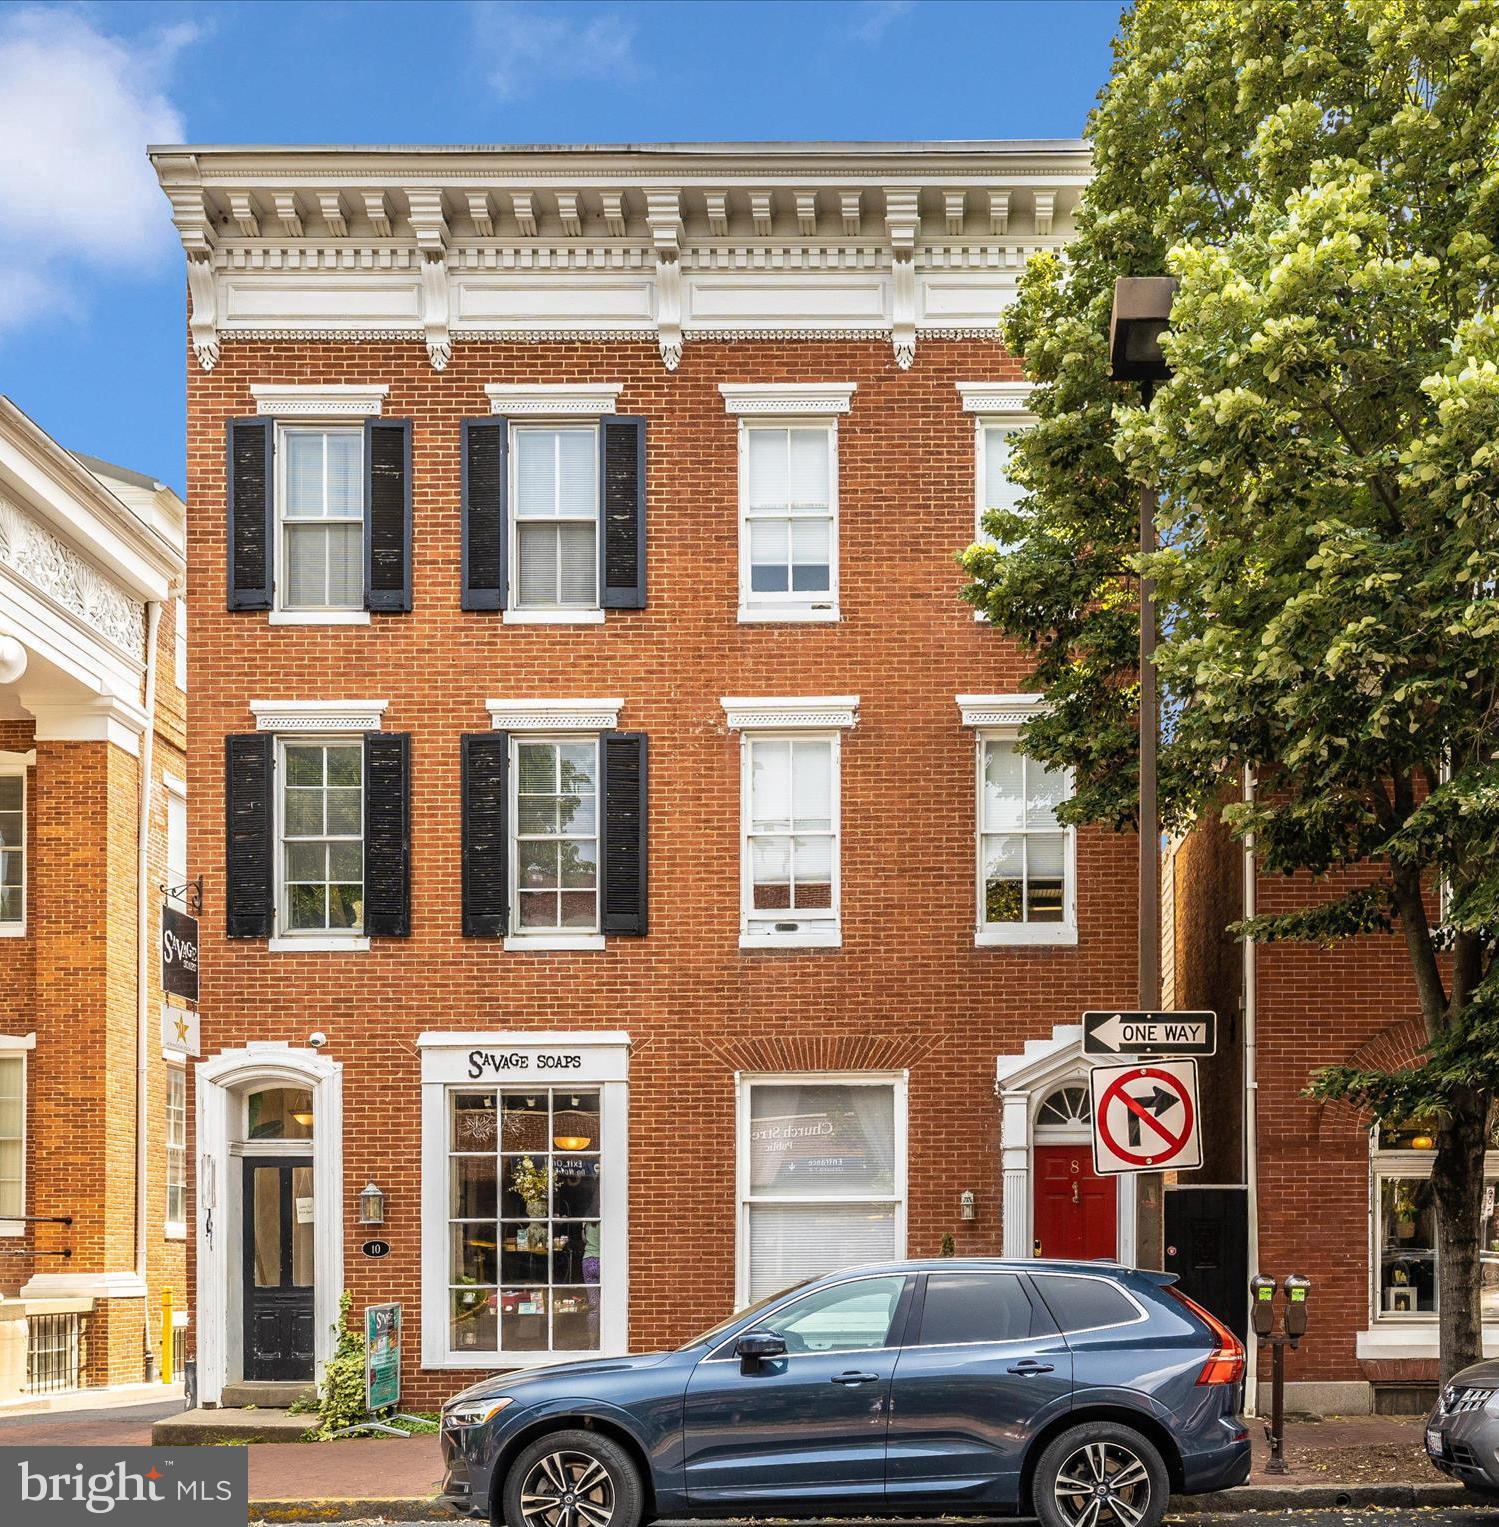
pixel 1142 312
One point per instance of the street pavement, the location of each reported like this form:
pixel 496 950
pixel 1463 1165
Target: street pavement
pixel 1373 1517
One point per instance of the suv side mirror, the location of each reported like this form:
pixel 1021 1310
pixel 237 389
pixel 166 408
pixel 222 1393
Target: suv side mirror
pixel 754 1347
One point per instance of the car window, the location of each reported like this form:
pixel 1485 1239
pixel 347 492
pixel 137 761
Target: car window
pixel 729 1322
pixel 1081 1304
pixel 963 1307
pixel 842 1318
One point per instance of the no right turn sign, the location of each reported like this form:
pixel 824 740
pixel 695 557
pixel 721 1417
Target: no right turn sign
pixel 1145 1118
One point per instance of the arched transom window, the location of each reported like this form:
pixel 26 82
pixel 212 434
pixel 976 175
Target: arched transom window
pixel 1065 1108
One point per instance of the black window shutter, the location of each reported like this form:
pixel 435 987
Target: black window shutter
pixel 251 477
pixel 485 474
pixel 486 839
pixel 387 834
pixel 622 544
pixel 387 514
pixel 250 822
pixel 624 887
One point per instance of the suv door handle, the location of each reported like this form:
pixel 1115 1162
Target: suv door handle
pixel 856 1378
pixel 1028 1368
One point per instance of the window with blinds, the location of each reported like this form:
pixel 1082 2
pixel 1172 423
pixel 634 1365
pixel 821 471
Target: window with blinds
pixel 790 835
pixel 822 1174
pixel 555 523
pixel 788 519
pixel 321 509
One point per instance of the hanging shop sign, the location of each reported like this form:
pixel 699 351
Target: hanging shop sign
pixel 382 1362
pixel 179 953
pixel 179 1030
pixel 1145 1118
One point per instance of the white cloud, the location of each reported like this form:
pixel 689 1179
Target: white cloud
pixel 873 18
pixel 525 47
pixel 77 108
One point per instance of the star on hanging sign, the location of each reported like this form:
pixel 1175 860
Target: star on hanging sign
pixel 181 1026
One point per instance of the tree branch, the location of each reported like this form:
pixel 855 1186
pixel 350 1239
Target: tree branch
pixel 1376 480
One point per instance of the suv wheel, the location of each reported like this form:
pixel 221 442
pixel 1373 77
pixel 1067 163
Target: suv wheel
pixel 571 1479
pixel 1100 1474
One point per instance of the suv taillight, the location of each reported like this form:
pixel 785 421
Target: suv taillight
pixel 1226 1364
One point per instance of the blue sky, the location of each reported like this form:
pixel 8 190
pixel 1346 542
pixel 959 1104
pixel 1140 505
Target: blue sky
pixel 91 283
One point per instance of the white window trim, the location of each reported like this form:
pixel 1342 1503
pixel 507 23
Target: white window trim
pixel 789 607
pixel 744 1082
pixel 998 718
pixel 546 614
pixel 320 400
pixel 805 718
pixel 179 642
pixel 793 400
pixel 16 765
pixel 604 1062
pixel 176 1230
pixel 1000 402
pixel 321 940
pixel 311 419
pixel 13 1046
pixel 546 940
pixel 554 400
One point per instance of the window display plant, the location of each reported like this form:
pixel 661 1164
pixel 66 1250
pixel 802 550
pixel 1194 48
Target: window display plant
pixel 533 1183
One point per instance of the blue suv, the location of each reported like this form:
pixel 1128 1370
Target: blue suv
pixel 1079 1392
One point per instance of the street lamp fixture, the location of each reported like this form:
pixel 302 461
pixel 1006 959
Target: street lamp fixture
pixel 1142 313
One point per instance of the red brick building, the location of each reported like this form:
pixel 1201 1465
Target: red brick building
pixel 93 825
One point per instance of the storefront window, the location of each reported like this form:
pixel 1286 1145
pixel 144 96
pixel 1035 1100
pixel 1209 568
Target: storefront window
pixel 524 1265
pixel 823 1169
pixel 1406 1226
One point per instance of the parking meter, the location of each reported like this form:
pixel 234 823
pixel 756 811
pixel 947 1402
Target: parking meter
pixel 1297 1288
pixel 1262 1312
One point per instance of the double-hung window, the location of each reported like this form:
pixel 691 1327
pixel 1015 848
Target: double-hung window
pixel 788 497
pixel 321 516
pixel 789 815
pixel 555 847
pixel 176 1145
pixel 822 1175
pixel 13 1133
pixel 322 837
pixel 12 846
pixel 555 528
pixel 1026 858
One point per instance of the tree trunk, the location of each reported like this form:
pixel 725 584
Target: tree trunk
pixel 1457 1186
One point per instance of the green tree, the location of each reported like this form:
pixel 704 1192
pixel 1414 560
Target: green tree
pixel 1323 178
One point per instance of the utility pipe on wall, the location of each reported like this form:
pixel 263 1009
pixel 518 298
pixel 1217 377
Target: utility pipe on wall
pixel 143 905
pixel 1251 1086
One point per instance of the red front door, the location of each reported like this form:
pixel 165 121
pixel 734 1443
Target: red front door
pixel 1076 1209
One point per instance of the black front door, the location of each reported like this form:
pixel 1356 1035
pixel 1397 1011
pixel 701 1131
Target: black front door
pixel 1206 1233
pixel 278 1236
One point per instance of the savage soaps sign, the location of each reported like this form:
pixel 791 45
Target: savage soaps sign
pixel 179 953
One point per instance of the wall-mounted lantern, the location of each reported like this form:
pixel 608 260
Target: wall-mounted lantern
pixel 372 1206
pixel 967 1206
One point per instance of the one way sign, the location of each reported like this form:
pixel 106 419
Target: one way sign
pixel 1150 1033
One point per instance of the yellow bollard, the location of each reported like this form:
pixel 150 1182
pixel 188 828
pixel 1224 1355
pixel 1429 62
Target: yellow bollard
pixel 167 1333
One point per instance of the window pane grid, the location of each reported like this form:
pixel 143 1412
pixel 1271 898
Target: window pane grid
pixel 176 1140
pixel 524 1221
pixel 12 1135
pixel 556 518
pixel 555 842
pixel 322 837
pixel 788 513
pixel 792 836
pixel 12 849
pixel 1023 848
pixel 322 519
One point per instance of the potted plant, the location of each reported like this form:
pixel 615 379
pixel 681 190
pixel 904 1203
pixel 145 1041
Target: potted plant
pixel 533 1184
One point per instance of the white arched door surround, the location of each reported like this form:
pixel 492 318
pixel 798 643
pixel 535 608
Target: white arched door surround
pixel 224 1082
pixel 1023 1084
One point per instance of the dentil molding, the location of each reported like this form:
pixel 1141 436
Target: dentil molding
pixel 999 710
pixel 318 715
pixel 554 715
pixel 782 398
pixel 762 713
pixel 583 400
pixel 290 400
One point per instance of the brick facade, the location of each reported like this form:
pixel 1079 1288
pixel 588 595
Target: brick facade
pixel 907 990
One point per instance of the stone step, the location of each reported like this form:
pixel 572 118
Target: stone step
pixel 190 1428
pixel 268 1394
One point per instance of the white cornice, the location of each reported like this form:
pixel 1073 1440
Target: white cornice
pixel 554 715
pixel 318 715
pixel 790 713
pixel 1007 400
pixel 322 400
pixel 787 397
pixel 560 400
pixel 97 718
pixel 999 711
